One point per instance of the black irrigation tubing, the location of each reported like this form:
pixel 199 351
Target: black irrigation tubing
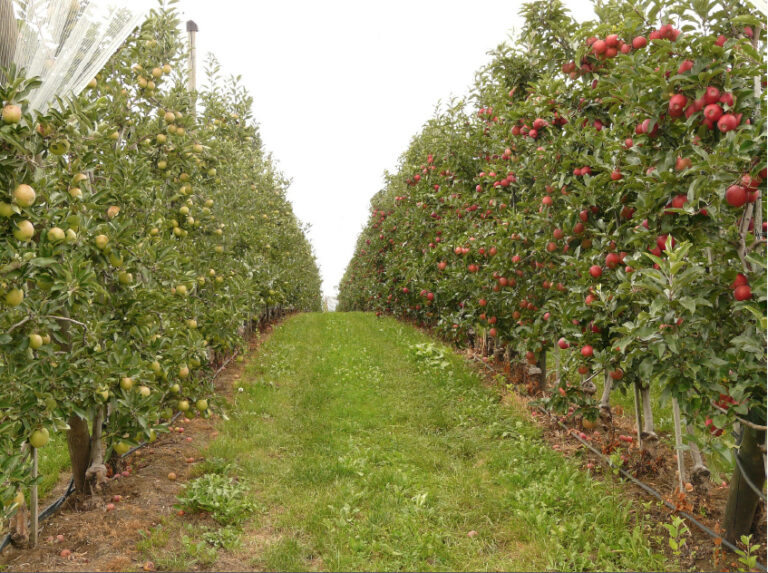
pixel 48 511
pixel 744 474
pixel 648 489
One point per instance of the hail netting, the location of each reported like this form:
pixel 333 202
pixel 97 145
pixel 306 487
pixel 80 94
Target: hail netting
pixel 64 42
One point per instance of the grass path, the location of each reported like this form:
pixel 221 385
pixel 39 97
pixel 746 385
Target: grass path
pixel 366 451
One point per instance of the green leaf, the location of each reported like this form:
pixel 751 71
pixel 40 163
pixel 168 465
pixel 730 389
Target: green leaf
pixel 42 262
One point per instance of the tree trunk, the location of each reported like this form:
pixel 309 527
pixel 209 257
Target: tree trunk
pixel 79 443
pixel 700 471
pixel 742 499
pixel 19 526
pixel 96 476
pixel 605 400
pixel 682 478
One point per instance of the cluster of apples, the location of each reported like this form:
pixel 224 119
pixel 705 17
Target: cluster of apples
pixel 741 288
pixel 710 104
pixel 611 46
pixel 744 192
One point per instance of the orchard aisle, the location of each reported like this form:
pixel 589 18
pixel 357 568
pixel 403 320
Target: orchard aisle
pixel 364 451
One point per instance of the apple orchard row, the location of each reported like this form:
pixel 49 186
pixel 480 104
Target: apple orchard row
pixel 137 237
pixel 606 197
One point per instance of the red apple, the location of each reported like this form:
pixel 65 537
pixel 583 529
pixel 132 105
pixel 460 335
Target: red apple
pixel 683 163
pixel 677 105
pixel 685 66
pixel 740 280
pixel 736 195
pixel 727 122
pixel 713 112
pixel 742 292
pixel 711 95
pixel 612 260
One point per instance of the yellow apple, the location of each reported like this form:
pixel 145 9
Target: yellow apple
pixel 24 195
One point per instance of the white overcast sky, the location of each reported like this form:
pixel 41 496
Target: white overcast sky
pixel 340 87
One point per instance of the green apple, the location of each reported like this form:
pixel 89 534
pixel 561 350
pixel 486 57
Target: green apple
pixel 24 231
pixel 122 448
pixel 39 438
pixel 35 341
pixel 14 297
pixel 6 209
pixel 101 241
pixel 56 234
pixel 11 113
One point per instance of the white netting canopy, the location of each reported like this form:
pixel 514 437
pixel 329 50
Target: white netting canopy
pixel 64 42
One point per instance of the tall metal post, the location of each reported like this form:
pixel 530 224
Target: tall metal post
pixel 192 76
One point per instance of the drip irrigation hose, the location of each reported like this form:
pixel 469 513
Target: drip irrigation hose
pixel 744 474
pixel 645 487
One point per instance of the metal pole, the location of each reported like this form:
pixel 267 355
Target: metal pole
pixel 679 444
pixel 192 76
pixel 33 501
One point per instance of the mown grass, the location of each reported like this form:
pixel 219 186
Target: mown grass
pixel 52 460
pixel 372 448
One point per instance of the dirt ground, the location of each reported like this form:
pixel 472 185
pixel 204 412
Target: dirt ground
pixel 103 539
